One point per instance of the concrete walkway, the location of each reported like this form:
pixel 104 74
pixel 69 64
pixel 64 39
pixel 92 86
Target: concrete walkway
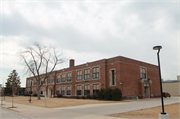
pixel 95 111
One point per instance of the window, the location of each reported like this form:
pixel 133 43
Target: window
pixel 87 89
pixel 79 75
pixel 143 72
pixel 41 92
pixel 113 81
pixel 63 90
pixel 50 81
pixel 86 74
pixel 79 90
pixel 35 82
pixel 95 88
pixel 63 78
pixel 57 92
pixel 69 77
pixel 58 79
pixel 95 72
pixel 68 90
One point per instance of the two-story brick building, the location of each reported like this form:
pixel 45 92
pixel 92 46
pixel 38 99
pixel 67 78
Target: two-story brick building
pixel 134 78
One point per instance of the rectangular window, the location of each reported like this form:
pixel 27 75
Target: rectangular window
pixel 57 92
pixel 79 75
pixel 41 92
pixel 95 72
pixel 63 90
pixel 95 88
pixel 50 81
pixel 79 90
pixel 113 77
pixel 86 74
pixel 69 77
pixel 58 78
pixel 68 90
pixel 86 89
pixel 63 78
pixel 143 73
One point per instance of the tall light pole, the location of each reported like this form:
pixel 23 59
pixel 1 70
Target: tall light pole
pixel 162 113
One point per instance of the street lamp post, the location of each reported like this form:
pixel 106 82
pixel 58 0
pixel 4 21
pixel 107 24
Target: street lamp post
pixel 162 113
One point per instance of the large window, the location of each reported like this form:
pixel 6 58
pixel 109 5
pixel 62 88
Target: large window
pixel 95 88
pixel 63 90
pixel 113 79
pixel 95 72
pixel 69 77
pixel 58 79
pixel 79 75
pixel 86 89
pixel 50 81
pixel 57 90
pixel 79 90
pixel 143 72
pixel 63 78
pixel 68 90
pixel 86 74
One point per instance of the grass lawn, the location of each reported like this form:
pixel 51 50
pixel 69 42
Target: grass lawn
pixel 55 102
pixel 152 113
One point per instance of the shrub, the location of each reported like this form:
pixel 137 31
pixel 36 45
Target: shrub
pixel 107 94
pixel 116 94
pixel 78 97
pixel 73 96
pixel 94 96
pixel 84 97
pixel 35 95
pixel 26 94
pixel 59 95
pixel 88 96
pixel 101 94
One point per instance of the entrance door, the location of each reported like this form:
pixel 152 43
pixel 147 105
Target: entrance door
pixel 145 91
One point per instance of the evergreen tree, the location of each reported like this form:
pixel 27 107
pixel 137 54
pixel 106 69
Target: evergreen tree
pixel 13 83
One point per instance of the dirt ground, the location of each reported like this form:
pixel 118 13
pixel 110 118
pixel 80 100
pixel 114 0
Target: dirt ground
pixel 55 102
pixel 152 113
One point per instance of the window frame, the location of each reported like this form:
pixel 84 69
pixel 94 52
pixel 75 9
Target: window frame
pixel 143 73
pixel 77 86
pixel 96 72
pixel 69 77
pixel 79 75
pixel 89 87
pixel 87 73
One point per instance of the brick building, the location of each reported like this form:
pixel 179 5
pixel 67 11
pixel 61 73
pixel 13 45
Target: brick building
pixel 134 78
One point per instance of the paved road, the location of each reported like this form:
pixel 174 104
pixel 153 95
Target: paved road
pixel 95 111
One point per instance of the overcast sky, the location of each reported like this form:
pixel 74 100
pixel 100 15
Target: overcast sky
pixel 92 30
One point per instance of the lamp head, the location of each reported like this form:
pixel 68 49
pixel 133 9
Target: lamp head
pixel 157 47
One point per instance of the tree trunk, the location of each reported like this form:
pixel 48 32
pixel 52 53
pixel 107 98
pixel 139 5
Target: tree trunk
pixel 38 89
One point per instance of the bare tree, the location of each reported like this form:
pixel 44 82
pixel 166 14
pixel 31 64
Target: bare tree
pixel 40 61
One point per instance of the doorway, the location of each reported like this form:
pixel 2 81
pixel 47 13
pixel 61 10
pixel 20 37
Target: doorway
pixel 147 91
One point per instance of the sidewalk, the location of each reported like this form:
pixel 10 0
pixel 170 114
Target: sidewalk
pixel 33 112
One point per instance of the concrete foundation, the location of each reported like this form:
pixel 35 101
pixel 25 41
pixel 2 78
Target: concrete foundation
pixel 163 116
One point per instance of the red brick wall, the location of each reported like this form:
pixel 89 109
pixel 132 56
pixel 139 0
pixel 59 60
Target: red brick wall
pixel 127 76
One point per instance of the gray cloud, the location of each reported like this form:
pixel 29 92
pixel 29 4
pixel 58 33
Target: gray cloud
pixel 100 29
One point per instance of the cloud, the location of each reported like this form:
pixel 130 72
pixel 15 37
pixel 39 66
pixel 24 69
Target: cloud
pixel 92 30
